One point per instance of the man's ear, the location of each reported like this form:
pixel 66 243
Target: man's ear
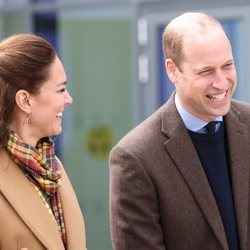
pixel 171 70
pixel 23 100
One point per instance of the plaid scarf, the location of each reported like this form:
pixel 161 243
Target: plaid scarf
pixel 43 170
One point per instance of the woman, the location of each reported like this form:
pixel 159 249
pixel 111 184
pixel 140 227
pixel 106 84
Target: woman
pixel 38 207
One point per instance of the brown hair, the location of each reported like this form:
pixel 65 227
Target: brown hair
pixel 24 64
pixel 178 28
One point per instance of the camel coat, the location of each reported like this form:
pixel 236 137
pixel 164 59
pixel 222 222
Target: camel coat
pixel 160 197
pixel 25 223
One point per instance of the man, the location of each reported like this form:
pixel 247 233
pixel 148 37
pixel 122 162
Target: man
pixel 174 184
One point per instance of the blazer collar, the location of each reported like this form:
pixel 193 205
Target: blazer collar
pixel 238 145
pixel 179 145
pixel 21 195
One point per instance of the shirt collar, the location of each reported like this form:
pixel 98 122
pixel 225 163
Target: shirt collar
pixel 191 122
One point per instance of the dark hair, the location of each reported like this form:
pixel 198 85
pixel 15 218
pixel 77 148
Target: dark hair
pixel 25 60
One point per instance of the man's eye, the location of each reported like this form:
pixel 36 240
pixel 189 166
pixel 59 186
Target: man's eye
pixel 228 65
pixel 205 72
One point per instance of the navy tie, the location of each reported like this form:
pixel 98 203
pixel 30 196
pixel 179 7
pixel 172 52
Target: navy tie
pixel 211 127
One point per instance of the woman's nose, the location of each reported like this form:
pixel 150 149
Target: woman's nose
pixel 68 99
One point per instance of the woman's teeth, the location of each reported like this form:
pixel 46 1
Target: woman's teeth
pixel 59 115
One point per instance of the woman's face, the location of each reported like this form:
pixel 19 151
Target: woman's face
pixel 48 105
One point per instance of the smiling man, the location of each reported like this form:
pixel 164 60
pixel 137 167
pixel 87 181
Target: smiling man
pixel 175 183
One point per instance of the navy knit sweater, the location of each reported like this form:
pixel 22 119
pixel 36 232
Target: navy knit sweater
pixel 213 155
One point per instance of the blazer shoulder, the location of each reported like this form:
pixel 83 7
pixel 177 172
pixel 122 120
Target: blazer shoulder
pixel 148 138
pixel 240 106
pixel 241 109
pixel 154 127
pixel 144 131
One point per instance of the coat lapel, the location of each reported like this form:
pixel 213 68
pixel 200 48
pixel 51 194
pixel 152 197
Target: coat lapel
pixel 22 196
pixel 72 216
pixel 238 144
pixel 181 149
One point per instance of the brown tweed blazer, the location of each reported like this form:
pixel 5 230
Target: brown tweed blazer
pixel 160 197
pixel 25 222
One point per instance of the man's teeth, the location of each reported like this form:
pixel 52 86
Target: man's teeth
pixel 217 97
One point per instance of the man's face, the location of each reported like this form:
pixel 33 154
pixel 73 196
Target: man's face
pixel 207 78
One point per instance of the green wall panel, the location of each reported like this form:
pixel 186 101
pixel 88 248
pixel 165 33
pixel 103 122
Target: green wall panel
pixel 97 58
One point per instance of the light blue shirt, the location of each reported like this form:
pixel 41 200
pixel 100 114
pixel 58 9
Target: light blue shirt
pixel 192 122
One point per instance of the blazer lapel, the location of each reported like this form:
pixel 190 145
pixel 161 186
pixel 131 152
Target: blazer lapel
pixel 238 144
pixel 28 205
pixel 181 149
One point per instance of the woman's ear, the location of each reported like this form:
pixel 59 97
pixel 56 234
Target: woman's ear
pixel 23 100
pixel 171 70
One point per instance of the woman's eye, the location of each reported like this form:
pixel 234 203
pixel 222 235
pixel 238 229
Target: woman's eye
pixel 62 90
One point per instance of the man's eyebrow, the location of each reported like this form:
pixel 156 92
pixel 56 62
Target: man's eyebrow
pixel 229 61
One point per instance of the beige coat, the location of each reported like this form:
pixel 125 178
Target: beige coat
pixel 160 197
pixel 25 222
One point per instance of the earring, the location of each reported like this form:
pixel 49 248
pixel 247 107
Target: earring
pixel 27 120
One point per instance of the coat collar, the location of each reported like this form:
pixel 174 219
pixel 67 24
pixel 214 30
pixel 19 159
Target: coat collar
pixel 72 216
pixel 23 198
pixel 28 205
pixel 179 145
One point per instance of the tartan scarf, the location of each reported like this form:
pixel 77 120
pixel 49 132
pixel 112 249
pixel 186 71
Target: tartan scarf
pixel 43 169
